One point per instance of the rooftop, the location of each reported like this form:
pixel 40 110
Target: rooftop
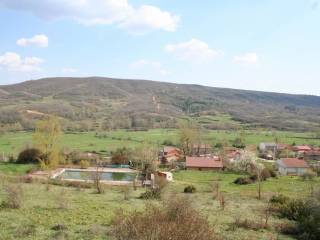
pixel 208 162
pixel 293 163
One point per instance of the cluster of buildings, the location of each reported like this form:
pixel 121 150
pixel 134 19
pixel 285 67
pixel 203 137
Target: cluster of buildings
pixel 200 158
pixel 291 160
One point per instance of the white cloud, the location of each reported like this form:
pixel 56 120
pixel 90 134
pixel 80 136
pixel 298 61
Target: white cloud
pixel 39 40
pixel 194 50
pixel 148 17
pixel 149 66
pixel 96 12
pixel 69 70
pixel 246 59
pixel 14 62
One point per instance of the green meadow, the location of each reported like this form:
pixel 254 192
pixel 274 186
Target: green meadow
pixel 87 215
pixel 12 143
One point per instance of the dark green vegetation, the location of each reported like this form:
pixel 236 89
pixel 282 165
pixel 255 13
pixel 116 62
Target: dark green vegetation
pixel 49 212
pixel 103 103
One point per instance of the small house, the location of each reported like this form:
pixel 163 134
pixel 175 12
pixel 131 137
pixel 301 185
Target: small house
pixel 166 175
pixel 292 166
pixel 267 147
pixel 301 148
pixel 169 154
pixel 204 163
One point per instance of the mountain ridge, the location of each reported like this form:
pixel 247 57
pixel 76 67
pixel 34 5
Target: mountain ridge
pixel 143 103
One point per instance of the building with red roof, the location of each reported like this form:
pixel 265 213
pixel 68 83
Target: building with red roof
pixel 301 148
pixel 169 154
pixel 292 166
pixel 204 163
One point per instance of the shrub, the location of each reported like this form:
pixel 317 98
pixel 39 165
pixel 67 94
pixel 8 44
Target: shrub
pixel 167 142
pixel 175 220
pixel 189 189
pixel 273 173
pixel 287 228
pixel 30 155
pixel 84 164
pixel 265 174
pixel 152 193
pixel 309 220
pixel 14 195
pixel 243 181
pixel 249 224
pixel 279 199
pixel 291 209
pixel 121 156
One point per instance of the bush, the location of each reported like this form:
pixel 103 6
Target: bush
pixel 175 220
pixel 243 181
pixel 309 220
pixel 152 193
pixel 167 142
pixel 273 173
pixel 189 189
pixel 291 209
pixel 265 174
pixel 13 199
pixel 279 199
pixel 30 155
pixel 121 156
pixel 84 164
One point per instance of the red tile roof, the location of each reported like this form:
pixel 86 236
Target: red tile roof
pixel 169 148
pixel 302 148
pixel 294 163
pixel 205 162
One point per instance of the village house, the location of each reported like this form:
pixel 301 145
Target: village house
pixel 169 154
pixel 292 166
pixel 266 147
pixel 301 148
pixel 201 149
pixel 232 155
pixel 268 150
pixel 204 163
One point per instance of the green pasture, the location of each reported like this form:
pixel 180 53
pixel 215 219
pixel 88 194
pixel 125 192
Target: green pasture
pixel 12 143
pixel 87 215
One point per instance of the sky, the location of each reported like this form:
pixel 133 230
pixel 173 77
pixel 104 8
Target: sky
pixel 265 45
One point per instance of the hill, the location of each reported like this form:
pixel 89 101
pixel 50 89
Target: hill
pixel 96 102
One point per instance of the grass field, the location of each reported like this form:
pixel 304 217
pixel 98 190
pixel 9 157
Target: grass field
pixel 87 215
pixel 12 143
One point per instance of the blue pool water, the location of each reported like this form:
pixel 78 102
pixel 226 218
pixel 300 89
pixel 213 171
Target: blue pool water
pixel 105 176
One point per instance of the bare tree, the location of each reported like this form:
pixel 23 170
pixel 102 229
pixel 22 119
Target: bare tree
pixel 96 178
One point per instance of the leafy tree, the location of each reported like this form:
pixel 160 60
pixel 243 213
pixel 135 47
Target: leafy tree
pixel 29 155
pixel 145 158
pixel 121 156
pixel 47 139
pixel 189 134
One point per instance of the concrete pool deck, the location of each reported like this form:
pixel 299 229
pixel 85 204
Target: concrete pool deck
pixel 54 174
pixel 60 171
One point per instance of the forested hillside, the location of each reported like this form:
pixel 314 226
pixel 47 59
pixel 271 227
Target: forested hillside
pixel 105 103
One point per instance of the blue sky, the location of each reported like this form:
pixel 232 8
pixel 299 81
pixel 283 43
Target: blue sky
pixel 267 45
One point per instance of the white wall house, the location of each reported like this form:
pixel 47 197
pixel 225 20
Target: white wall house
pixel 292 166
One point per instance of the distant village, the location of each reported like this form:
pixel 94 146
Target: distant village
pixel 288 159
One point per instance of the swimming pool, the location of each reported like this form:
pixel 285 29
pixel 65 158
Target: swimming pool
pixel 74 174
